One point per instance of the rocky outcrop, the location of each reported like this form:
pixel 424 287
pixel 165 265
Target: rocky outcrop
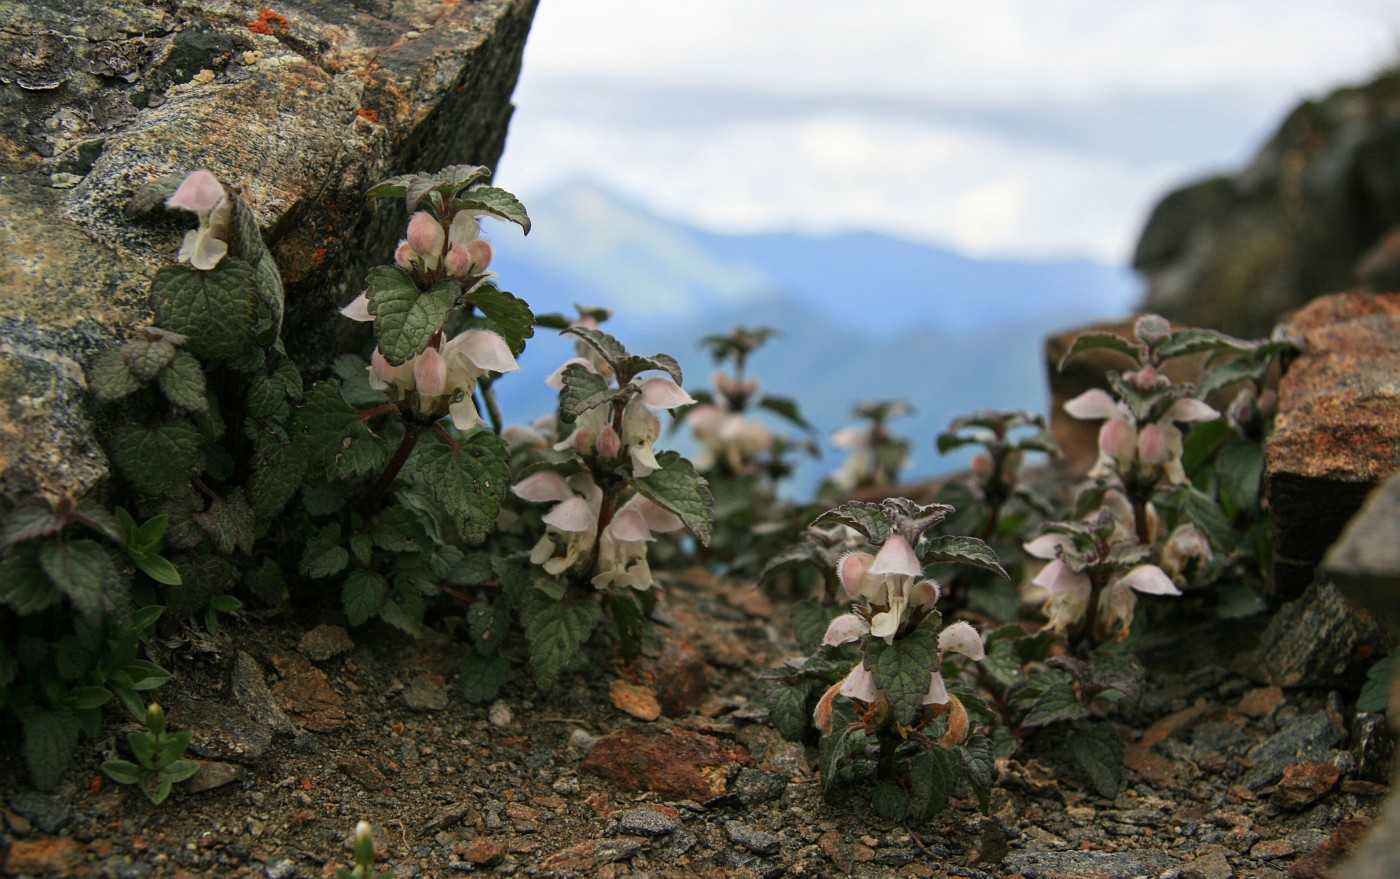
pixel 303 105
pixel 1306 218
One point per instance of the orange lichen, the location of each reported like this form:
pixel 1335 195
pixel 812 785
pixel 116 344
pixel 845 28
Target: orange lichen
pixel 269 23
pixel 371 116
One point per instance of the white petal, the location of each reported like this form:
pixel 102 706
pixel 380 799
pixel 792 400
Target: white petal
pixel 852 570
pixel 556 378
pixel 358 309
pixel 846 627
pixel 662 393
pixel 884 625
pixel 1092 405
pixel 849 438
pixel 897 557
pixel 629 525
pixel 860 684
pixel 960 637
pixel 643 459
pixel 545 485
pixel 200 191
pixel 660 521
pixel 1047 546
pixel 572 515
pixel 464 415
pixel 1190 409
pixel 1149 579
pixel 937 693
pixel 487 350
pixel 1059 577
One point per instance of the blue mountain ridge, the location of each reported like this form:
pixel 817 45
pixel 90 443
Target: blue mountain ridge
pixel 860 315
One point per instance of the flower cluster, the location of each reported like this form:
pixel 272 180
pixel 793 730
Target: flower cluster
pixel 875 456
pixel 726 434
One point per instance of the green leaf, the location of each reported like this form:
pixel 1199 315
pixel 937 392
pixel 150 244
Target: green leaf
pixel 1111 341
pixel 1205 511
pixel 324 556
pixel 960 550
pixel 30 519
pixel 610 348
pixel 633 364
pixel 489 623
pixel 903 669
pixel 1196 341
pixel 267 399
pixel 278 472
pixel 179 770
pixel 83 571
pixel 123 771
pixel 1375 693
pixel 933 778
pixel 319 424
pixel 979 760
pixel 230 523
pixel 869 519
pixel 834 750
pixel 630 622
pixel 147 357
pixel 110 378
pixel 404 316
pixel 1055 704
pixel 468 479
pixel 496 202
pixel 1241 467
pixel 145 675
pixel 482 677
pixel 1099 753
pixel 1222 375
pixel 787 709
pixel 508 314
pixel 678 488
pixel 404 611
pixel 84 698
pixel 399 530
pixel 583 390
pixel 50 738
pixel 159 458
pixel 365 451
pixel 217 309
pixel 556 631
pixel 786 408
pixel 810 619
pixel 890 801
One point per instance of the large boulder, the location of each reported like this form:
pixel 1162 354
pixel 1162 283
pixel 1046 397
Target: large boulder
pixel 1305 218
pixel 304 107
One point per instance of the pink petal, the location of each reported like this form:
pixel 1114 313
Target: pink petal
pixel 1047 546
pixel 847 627
pixel 1060 577
pixel 960 637
pixel 1152 445
pixel 572 515
pixel 430 372
pixel 545 485
pixel 482 253
pixel 1092 405
pixel 1189 409
pixel 659 520
pixel 860 684
pixel 925 594
pixel 937 692
pixel 897 557
pixel 662 393
pixel 458 261
pixel 358 309
pixel 487 350
pixel 852 569
pixel 1149 579
pixel 556 378
pixel 629 525
pixel 425 235
pixel 199 191
pixel 1116 437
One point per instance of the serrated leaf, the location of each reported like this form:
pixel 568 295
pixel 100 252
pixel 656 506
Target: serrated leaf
pixel 469 480
pixel 50 738
pixel 82 570
pixel 810 619
pixel 159 458
pixel 482 677
pixel 404 611
pixel 954 549
pixel 610 348
pixel 1111 341
pixel 903 669
pixel 678 488
pixel 933 779
pixel 979 755
pixel 496 202
pixel 363 595
pixel 183 384
pixel 1198 340
pixel 787 709
pixel 583 390
pixel 508 314
pixel 869 519
pixel 399 530
pixel 835 749
pixel 489 623
pixel 147 357
pixel 217 309
pixel 800 555
pixel 1241 467
pixel 1375 692
pixel 229 523
pixel 633 364
pixel 320 422
pixel 278 472
pixel 393 187
pixel 1205 511
pixel 324 555
pixel 30 519
pixel 23 586
pixel 556 631
pixel 267 399
pixel 1056 704
pixel 404 316
pixel 1224 374
pixel 365 451
pixel 1099 753
pixel 110 378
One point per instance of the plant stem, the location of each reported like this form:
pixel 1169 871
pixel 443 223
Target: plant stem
pixel 889 742
pixel 391 470
pixel 493 407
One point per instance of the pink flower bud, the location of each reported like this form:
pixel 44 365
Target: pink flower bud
pixel 425 236
pixel 609 443
pixel 1151 328
pixel 1116 438
pixel 381 366
pixel 404 256
pixel 430 373
pixel 982 466
pixel 584 440
pixel 1152 446
pixel 458 261
pixel 482 253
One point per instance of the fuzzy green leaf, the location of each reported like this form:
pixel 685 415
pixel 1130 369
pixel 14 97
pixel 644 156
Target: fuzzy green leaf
pixel 217 309
pixel 404 611
pixel 496 202
pixel 955 549
pixel 787 409
pixel 482 677
pixel 610 348
pixel 489 623
pixel 1199 340
pixel 678 488
pixel 869 519
pixel 787 709
pixel 634 365
pixel 229 523
pixel 508 314
pixel 82 570
pixel 320 423
pixel 324 555
pixel 110 378
pixel 469 480
pixel 267 399
pixel 1375 692
pixel 159 458
pixel 23 586
pixel 902 670
pixel 1111 341
pixel 583 390
pixel 1241 467
pixel 1205 511
pixel 1056 703
pixel 183 383
pixel 556 631
pixel 277 474
pixel 366 451
pixel 147 357
pixel 810 620
pixel 834 750
pixel 363 595
pixel 50 738
pixel 1099 753
pixel 404 316
pixel 30 519
pixel 933 779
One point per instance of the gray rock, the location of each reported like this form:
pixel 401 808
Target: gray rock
pixel 1309 738
pixel 48 813
pixel 222 732
pixel 757 841
pixel 1041 864
pixel 1364 563
pixel 1316 640
pixel 251 693
pixel 757 786
pixel 280 868
pixel 210 776
pixel 645 822
pixel 426 693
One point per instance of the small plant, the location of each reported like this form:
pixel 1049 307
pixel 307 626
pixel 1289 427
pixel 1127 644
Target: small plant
pixel 158 763
pixel 364 857
pixel 875 454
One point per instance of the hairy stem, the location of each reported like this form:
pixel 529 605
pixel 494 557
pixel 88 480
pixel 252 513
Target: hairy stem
pixel 391 470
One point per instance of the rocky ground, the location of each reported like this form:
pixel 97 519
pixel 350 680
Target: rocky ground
pixel 668 769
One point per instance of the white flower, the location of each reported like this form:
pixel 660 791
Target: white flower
pixel 571 524
pixel 727 436
pixel 1070 590
pixel 445 373
pixel 202 193
pixel 1134 451
pixel 1184 544
pixel 844 629
pixel 1118 602
pixel 622 547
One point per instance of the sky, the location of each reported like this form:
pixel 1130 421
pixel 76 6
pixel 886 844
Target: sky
pixel 1001 128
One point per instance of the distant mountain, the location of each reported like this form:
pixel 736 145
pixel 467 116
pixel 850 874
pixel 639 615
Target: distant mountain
pixel 860 315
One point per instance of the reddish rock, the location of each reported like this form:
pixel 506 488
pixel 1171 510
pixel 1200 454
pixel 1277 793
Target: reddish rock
pixel 637 700
pixel 325 641
pixel 1305 783
pixel 305 692
pixel 44 857
pixel 1261 702
pixel 369 776
pixel 1338 428
pixel 681 678
pixel 1318 863
pixel 672 762
pixel 483 852
pixel 1164 727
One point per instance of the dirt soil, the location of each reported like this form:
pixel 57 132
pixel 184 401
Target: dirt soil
pixel 308 729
